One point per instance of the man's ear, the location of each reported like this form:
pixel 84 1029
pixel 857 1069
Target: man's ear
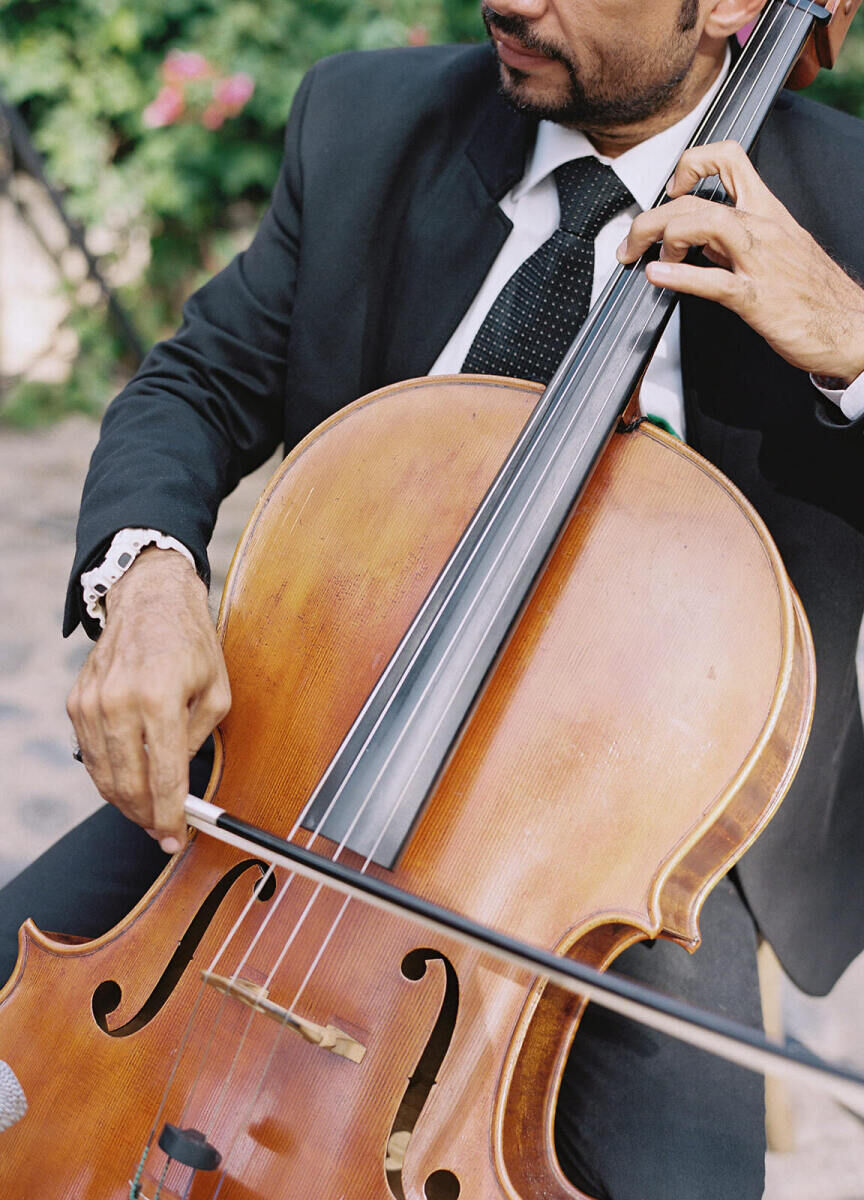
pixel 726 17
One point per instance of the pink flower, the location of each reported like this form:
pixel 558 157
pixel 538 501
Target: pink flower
pixel 213 116
pixel 165 109
pixel 418 35
pixel 182 65
pixel 233 93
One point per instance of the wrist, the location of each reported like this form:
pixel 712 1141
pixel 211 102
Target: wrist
pixel 125 548
pixel 155 570
pixel 842 333
pixel 853 373
pixel 849 370
pixel 843 373
pixel 850 364
pixel 832 383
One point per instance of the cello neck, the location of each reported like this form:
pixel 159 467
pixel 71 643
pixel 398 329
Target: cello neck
pixel 603 366
pixel 393 753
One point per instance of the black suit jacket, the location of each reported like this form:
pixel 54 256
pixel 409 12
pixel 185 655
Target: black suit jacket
pixel 383 224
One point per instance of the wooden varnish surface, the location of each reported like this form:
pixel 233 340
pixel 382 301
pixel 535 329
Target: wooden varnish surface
pixel 616 737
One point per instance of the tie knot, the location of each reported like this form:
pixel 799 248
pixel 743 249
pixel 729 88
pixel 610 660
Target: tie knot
pixel 590 194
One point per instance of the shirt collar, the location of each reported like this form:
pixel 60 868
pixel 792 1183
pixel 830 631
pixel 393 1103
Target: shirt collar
pixel 643 169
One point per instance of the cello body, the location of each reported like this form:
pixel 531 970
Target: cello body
pixel 639 729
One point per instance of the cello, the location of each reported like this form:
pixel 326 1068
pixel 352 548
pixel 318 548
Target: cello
pixel 337 1016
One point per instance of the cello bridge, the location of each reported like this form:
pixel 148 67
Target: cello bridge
pixel 326 1037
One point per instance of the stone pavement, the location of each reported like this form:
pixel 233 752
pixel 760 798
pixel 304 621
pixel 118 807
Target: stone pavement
pixel 44 792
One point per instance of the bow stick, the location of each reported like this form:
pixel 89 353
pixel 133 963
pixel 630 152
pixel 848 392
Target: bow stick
pixel 718 1035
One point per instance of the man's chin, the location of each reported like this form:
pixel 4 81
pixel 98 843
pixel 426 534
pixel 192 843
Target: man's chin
pixel 529 96
pixel 542 103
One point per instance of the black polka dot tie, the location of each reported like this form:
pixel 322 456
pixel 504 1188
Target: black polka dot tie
pixel 541 308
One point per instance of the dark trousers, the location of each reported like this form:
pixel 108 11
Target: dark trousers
pixel 640 1117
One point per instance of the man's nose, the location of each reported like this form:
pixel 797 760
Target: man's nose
pixel 529 9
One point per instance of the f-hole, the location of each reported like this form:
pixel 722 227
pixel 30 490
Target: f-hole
pixel 441 1185
pixel 108 995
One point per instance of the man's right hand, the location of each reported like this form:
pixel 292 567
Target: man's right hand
pixel 152 689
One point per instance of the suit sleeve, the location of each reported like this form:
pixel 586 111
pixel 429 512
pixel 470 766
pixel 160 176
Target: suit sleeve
pixel 812 158
pixel 206 406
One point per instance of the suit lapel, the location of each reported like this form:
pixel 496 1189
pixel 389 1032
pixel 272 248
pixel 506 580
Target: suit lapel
pixel 450 238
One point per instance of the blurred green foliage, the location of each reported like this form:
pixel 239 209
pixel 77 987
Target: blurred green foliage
pixel 83 73
pixel 843 87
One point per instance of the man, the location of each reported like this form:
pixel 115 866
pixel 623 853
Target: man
pixel 387 243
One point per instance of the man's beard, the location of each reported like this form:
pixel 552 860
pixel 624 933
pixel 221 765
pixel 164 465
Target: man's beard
pixel 599 110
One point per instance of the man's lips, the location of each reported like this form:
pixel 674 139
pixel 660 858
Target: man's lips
pixel 514 54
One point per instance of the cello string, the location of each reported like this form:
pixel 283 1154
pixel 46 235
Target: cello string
pixel 773 17
pixel 243 1124
pixel 259 933
pixel 729 1039
pixel 266 1065
pixel 645 288
pixel 271 913
pixel 600 369
pixel 338 918
pixel 223 1091
pixel 297 928
pixel 187 1033
pixel 298 924
pixel 802 21
pixel 272 910
pixel 341 913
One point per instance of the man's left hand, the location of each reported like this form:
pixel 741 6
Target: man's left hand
pixel 768 269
